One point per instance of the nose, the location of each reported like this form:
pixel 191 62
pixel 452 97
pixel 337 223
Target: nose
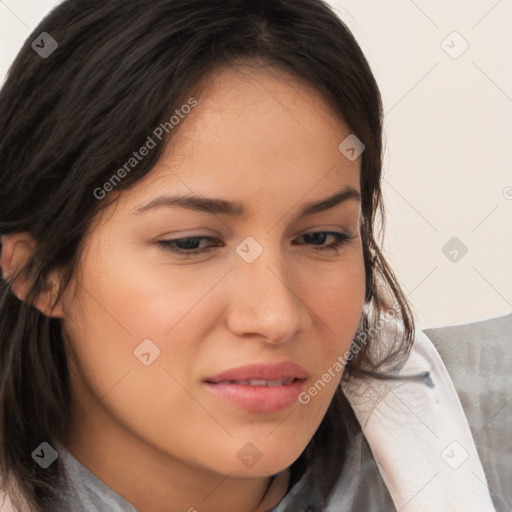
pixel 265 299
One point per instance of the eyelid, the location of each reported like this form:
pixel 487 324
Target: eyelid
pixel 342 238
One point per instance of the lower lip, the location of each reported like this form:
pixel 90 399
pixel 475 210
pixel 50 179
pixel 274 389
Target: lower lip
pixel 258 398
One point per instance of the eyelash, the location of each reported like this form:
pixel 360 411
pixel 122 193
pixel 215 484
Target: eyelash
pixel 341 239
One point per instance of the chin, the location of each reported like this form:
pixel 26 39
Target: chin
pixel 262 468
pixel 260 459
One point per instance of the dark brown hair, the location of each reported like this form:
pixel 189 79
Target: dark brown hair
pixel 68 121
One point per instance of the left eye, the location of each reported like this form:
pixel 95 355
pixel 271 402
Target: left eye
pixel 189 245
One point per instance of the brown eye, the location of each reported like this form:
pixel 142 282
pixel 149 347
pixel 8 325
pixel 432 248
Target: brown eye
pixel 188 245
pixel 317 239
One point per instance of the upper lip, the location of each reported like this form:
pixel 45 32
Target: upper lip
pixel 262 371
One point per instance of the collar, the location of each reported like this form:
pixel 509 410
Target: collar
pixel 420 437
pixel 275 492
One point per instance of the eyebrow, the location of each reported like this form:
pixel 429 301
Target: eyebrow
pixel 236 209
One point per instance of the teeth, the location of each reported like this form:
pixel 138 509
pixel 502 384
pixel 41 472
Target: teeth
pixel 256 382
pixel 259 382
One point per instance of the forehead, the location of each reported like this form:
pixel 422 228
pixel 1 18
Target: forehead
pixel 256 133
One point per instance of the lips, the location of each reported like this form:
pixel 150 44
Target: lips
pixel 268 372
pixel 263 388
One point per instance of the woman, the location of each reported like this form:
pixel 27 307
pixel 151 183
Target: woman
pixel 188 194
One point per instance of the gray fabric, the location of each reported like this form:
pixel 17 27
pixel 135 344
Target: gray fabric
pixel 478 357
pixel 86 492
pixel 360 487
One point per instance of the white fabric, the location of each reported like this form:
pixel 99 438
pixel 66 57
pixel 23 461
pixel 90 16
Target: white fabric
pixel 420 437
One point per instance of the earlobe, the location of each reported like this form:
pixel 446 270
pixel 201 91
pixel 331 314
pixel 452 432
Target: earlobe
pixel 17 250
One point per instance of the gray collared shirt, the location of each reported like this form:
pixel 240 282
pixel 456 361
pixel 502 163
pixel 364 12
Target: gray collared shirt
pixel 87 493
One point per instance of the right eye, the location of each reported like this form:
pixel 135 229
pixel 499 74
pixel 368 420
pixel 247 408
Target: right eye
pixel 187 246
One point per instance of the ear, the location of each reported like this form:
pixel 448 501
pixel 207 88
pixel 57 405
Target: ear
pixel 17 249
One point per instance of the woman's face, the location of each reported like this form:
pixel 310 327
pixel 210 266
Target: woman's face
pixel 152 329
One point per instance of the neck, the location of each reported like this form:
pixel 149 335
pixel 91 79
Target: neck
pixel 153 481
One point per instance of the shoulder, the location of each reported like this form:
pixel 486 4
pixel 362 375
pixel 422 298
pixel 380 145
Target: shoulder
pixel 417 429
pixel 476 351
pixel 478 357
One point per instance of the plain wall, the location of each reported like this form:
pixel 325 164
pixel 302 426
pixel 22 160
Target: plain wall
pixel 448 135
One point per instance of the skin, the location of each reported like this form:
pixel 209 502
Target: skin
pixel 153 433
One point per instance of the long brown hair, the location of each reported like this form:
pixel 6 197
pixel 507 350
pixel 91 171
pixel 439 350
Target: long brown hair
pixel 69 120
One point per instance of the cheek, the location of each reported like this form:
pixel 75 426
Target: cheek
pixel 139 300
pixel 335 297
pixel 121 304
pixel 115 310
pixel 337 301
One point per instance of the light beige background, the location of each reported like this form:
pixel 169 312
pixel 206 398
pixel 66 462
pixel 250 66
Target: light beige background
pixel 448 136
